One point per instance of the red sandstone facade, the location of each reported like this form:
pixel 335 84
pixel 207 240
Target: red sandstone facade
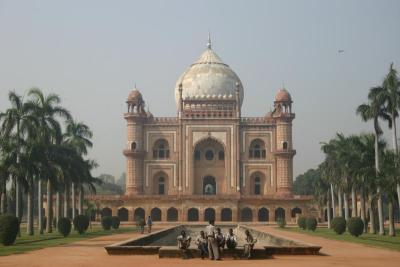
pixel 209 162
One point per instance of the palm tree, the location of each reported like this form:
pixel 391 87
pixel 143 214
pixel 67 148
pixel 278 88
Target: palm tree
pixel 323 190
pixel 374 110
pixel 17 121
pixel 78 136
pixel 389 180
pixel 332 174
pixel 389 94
pixel 46 109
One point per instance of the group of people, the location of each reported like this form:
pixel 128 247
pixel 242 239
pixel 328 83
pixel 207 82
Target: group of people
pixel 211 242
pixel 142 223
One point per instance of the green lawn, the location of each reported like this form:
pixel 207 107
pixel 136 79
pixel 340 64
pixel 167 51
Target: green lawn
pixel 366 239
pixel 28 243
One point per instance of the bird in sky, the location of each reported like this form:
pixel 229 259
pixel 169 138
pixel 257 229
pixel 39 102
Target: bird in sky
pixel 340 51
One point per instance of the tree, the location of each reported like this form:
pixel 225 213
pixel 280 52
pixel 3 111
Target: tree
pixel 374 111
pixel 389 94
pixel 78 136
pixel 390 174
pixel 46 110
pixel 322 189
pixel 304 183
pixel 17 121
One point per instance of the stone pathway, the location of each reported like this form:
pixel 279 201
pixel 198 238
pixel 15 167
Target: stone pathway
pixel 91 253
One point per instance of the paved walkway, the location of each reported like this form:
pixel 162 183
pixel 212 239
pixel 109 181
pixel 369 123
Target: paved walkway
pixel 91 253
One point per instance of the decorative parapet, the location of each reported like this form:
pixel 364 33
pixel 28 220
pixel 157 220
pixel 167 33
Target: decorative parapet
pixel 257 120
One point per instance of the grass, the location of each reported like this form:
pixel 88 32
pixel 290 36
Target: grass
pixel 385 241
pixel 27 243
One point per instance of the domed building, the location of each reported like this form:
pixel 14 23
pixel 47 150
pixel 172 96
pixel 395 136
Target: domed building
pixel 209 162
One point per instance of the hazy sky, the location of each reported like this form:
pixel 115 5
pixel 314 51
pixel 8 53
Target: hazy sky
pixel 92 53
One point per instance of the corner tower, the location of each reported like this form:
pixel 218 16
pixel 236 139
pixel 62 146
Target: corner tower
pixel 134 152
pixel 284 151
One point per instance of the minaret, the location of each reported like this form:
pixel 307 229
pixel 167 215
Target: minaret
pixel 284 151
pixel 134 151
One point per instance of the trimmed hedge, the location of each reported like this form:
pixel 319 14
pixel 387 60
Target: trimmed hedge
pixel 64 226
pixel 355 226
pixel 115 222
pixel 339 225
pixel 281 222
pixel 311 223
pixel 301 222
pixel 81 223
pixel 9 227
pixel 106 222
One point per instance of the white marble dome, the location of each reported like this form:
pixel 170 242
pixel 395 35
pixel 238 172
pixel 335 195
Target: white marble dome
pixel 209 76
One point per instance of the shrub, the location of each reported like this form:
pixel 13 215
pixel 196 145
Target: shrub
pixel 115 222
pixel 311 223
pixel 339 225
pixel 81 223
pixel 355 226
pixel 9 227
pixel 281 222
pixel 64 226
pixel 106 222
pixel 301 222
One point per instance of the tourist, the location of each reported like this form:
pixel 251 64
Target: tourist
pixel 149 223
pixel 231 239
pixel 213 252
pixel 249 245
pixel 220 239
pixel 201 242
pixel 184 244
pixel 142 224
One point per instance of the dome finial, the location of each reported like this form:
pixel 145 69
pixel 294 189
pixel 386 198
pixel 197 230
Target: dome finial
pixel 209 40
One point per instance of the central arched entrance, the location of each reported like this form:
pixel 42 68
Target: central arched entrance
pixel 209 186
pixel 209 164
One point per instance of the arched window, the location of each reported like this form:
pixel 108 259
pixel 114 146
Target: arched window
pixel 197 154
pixel 172 215
pixel 161 149
pixel 257 185
pixel 226 215
pixel 139 214
pixel 257 149
pixel 279 214
pixel 246 215
pixel 209 155
pixel 295 211
pixel 285 145
pixel 263 215
pixel 209 186
pixel 155 214
pixel 193 215
pixel 123 214
pixel 133 146
pixel 221 155
pixel 106 212
pixel 161 185
pixel 209 214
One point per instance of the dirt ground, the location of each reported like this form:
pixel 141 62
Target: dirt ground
pixel 91 252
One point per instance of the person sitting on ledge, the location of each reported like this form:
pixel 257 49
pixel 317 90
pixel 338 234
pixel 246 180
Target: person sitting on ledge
pixel 220 239
pixel 184 243
pixel 231 240
pixel 249 245
pixel 201 243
